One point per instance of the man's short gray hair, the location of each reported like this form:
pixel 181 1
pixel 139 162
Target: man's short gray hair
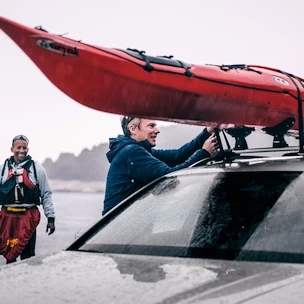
pixel 127 121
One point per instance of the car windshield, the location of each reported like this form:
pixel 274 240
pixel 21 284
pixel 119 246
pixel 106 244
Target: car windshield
pixel 231 215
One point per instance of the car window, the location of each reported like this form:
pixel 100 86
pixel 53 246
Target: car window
pixel 218 214
pixel 283 227
pixel 237 206
pixel 163 216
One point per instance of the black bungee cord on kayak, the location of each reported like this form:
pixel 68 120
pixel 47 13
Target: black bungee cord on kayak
pixel 150 59
pixel 148 67
pixel 227 67
pixel 187 73
pixel 184 66
pixel 40 28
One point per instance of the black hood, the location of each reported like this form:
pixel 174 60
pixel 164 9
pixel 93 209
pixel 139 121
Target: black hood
pixel 116 144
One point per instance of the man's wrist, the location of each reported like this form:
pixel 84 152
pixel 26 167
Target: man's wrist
pixel 51 220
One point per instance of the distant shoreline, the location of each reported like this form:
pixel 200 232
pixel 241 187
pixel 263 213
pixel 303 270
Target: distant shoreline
pixel 58 185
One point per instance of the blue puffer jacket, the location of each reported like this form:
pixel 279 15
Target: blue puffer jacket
pixel 135 164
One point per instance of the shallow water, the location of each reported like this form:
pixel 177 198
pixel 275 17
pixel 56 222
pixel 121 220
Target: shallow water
pixel 73 212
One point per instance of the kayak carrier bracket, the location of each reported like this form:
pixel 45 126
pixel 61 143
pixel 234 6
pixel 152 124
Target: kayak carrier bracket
pixel 279 131
pixel 240 134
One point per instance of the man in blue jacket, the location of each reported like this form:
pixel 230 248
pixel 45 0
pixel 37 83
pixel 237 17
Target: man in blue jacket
pixel 134 162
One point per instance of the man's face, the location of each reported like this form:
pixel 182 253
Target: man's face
pixel 147 130
pixel 20 150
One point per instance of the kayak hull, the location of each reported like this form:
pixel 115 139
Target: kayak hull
pixel 114 81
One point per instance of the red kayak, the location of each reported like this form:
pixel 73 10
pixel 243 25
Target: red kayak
pixel 129 82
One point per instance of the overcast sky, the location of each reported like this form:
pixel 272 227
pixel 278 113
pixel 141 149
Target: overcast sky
pixel 262 32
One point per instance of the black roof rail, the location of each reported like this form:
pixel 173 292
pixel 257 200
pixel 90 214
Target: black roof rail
pixel 229 155
pixel 268 149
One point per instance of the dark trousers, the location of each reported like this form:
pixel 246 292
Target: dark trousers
pixel 29 250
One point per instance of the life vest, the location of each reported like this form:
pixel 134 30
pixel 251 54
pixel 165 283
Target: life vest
pixel 18 188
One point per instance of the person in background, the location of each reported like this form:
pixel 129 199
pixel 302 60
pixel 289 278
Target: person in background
pixel 23 187
pixel 134 162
